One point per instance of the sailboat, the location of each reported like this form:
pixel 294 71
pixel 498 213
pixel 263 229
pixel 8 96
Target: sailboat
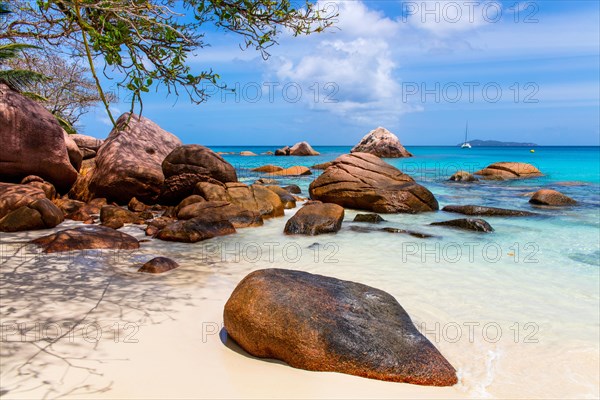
pixel 466 145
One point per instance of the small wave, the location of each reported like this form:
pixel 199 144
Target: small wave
pixel 587 258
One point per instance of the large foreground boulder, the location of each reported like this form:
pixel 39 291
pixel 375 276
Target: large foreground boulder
pixel 365 182
pixel 509 170
pixel 87 237
pixel 315 219
pixel 381 143
pixel 549 197
pixel 32 142
pixel 129 162
pixel 320 323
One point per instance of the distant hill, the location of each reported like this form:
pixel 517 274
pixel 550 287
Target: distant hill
pixel 496 143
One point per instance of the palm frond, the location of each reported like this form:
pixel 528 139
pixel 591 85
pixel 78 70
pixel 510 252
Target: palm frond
pixel 66 125
pixel 12 50
pixel 20 80
pixel 34 96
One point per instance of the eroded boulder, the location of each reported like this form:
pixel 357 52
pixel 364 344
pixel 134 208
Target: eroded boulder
pixel 321 323
pixel 364 182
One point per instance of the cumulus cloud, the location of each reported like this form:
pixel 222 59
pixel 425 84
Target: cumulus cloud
pixel 357 58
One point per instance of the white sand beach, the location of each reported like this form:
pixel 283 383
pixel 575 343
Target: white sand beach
pixel 161 335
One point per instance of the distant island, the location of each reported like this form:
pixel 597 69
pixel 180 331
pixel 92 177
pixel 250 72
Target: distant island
pixel 496 143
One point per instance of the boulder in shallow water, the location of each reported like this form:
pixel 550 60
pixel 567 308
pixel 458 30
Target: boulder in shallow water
pixel 315 219
pixel 321 323
pixel 158 265
pixel 486 211
pixel 294 189
pixel 549 197
pixel 288 200
pixel 463 176
pixel 303 149
pixel 381 143
pixel 467 224
pixel 509 170
pixel 365 182
pixel 323 166
pixel 372 218
pixel 268 168
pixel 296 170
pixel 87 237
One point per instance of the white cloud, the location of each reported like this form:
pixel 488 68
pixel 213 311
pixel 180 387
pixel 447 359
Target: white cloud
pixel 357 57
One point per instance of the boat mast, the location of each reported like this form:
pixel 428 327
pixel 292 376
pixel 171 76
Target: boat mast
pixel 466 131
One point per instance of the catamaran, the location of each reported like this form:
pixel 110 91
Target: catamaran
pixel 466 145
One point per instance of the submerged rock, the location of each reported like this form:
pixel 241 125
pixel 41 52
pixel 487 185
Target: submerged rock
pixel 158 265
pixel 468 224
pixel 315 219
pixel 486 211
pixel 320 323
pixel 416 234
pixel 87 237
pixel 509 170
pixel 549 197
pixel 463 176
pixel 364 182
pixel 381 143
pixel 372 218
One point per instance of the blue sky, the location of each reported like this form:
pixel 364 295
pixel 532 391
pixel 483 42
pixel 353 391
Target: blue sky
pixel 517 71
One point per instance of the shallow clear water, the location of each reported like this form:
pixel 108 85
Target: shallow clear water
pixel 515 311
